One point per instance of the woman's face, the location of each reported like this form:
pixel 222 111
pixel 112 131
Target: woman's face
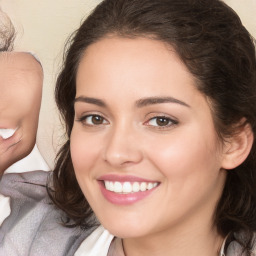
pixel 142 129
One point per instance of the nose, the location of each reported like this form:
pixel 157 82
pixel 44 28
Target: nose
pixel 123 147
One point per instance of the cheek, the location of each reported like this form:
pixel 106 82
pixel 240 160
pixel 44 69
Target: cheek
pixel 84 151
pixel 185 153
pixel 189 166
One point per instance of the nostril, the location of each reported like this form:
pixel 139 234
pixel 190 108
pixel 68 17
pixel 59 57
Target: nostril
pixel 122 149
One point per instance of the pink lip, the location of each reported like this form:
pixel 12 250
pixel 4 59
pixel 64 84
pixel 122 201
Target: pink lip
pixel 123 199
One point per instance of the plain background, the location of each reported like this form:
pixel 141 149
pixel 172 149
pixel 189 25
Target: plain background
pixel 43 27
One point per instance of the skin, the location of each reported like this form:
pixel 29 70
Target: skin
pixel 185 156
pixel 21 90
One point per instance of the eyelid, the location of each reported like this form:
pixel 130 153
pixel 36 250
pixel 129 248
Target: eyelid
pixel 84 116
pixel 172 121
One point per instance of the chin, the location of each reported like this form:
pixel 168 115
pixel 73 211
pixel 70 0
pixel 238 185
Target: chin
pixel 126 230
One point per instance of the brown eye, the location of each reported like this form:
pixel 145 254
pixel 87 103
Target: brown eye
pixel 97 120
pixel 162 121
pixel 91 120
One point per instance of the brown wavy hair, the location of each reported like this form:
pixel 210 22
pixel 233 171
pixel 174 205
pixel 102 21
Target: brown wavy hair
pixel 217 49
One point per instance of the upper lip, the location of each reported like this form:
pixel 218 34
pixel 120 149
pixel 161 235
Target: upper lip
pixel 123 178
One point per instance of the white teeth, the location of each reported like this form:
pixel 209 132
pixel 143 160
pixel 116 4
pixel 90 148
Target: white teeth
pixel 107 185
pixel 143 186
pixel 128 187
pixel 118 188
pixel 111 186
pixel 136 187
pixel 150 186
pixel 7 133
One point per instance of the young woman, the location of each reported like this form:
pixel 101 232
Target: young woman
pixel 158 99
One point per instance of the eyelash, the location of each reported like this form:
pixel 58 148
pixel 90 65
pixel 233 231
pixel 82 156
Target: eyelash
pixel 170 121
pixel 84 118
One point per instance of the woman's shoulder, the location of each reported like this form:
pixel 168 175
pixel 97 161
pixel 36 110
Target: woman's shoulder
pixel 97 243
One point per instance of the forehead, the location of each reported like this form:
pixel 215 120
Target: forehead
pixel 124 65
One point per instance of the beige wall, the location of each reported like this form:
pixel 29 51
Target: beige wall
pixel 42 28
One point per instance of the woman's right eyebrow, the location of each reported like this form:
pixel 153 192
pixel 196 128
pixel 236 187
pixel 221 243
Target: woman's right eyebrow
pixel 90 100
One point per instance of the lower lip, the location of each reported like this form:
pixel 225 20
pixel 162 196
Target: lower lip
pixel 124 199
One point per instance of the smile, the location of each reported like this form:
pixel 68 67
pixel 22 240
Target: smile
pixel 126 190
pixel 129 187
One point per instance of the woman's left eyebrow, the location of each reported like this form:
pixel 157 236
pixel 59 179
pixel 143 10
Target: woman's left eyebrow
pixel 158 100
pixel 90 100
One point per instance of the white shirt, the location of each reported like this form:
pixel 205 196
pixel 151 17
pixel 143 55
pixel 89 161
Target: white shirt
pixel 34 161
pixel 97 244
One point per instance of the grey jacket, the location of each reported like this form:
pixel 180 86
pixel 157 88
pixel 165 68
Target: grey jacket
pixel 34 225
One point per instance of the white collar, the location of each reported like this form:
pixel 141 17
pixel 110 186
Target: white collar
pixel 97 243
pixel 222 249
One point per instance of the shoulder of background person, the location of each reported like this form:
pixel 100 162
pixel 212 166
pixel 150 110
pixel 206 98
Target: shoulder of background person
pixel 34 226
